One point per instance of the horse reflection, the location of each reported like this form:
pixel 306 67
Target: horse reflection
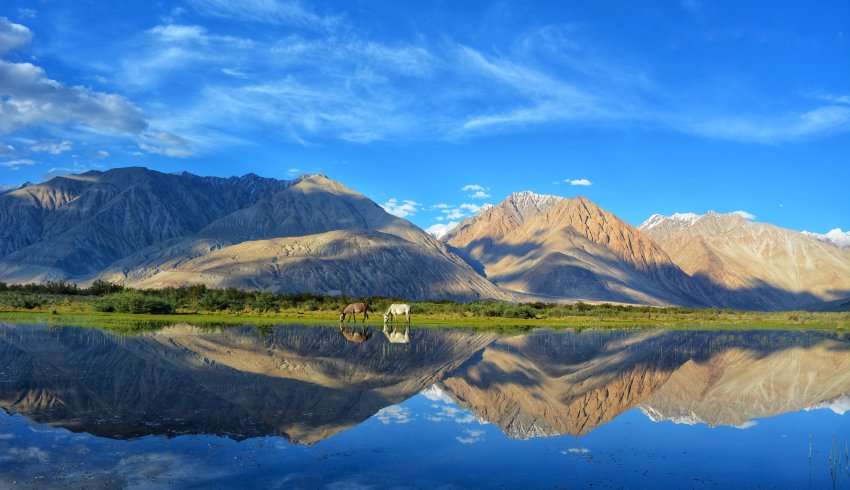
pixel 395 336
pixel 355 335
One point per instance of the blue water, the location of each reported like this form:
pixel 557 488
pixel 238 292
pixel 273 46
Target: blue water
pixel 89 409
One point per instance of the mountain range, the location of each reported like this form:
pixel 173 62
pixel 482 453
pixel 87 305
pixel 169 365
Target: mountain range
pixel 148 229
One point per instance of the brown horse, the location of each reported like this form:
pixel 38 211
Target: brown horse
pixel 352 310
pixel 355 336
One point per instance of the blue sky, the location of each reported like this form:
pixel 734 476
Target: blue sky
pixel 661 107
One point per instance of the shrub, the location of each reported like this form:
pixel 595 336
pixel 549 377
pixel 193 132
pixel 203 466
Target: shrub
pixel 134 302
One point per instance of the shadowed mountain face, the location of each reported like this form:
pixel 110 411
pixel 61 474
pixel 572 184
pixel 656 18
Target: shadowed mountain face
pixel 308 384
pixel 144 228
pixel 571 248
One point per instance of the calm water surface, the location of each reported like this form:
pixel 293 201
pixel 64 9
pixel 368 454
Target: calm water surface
pixel 313 407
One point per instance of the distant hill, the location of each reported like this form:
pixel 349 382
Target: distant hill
pixel 145 228
pixel 558 247
pixel 759 265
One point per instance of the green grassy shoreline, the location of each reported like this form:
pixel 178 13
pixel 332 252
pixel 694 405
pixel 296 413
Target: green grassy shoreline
pixel 696 319
pixel 109 305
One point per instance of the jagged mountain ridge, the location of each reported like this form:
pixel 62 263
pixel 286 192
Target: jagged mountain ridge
pixel 571 248
pixel 141 228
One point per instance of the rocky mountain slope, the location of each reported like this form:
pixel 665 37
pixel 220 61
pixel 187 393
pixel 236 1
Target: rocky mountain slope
pixel 758 265
pixel 144 228
pixel 571 248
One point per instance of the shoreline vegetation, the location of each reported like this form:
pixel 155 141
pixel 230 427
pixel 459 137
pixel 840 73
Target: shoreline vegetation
pixel 109 305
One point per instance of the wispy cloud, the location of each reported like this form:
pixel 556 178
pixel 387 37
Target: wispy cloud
pixel 401 208
pixel 288 12
pixel 579 182
pixel 18 163
pixel 52 147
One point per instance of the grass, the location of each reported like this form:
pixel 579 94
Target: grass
pixel 112 306
pixel 75 315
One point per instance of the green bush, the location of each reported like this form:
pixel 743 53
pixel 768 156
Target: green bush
pixel 134 302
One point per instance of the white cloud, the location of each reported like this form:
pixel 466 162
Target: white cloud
pixel 16 164
pixel 31 98
pixel 836 236
pixel 472 208
pixel 577 450
pixel 476 191
pixel 401 208
pixel 101 154
pixel 578 182
pixel 294 171
pixel 788 127
pixel 394 414
pixel 439 230
pixel 470 436
pixel 289 12
pixel 165 143
pixel 744 214
pixel 12 36
pixel 52 147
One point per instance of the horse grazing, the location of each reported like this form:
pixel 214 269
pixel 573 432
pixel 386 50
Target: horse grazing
pixel 355 336
pixel 397 310
pixel 352 310
pixel 396 337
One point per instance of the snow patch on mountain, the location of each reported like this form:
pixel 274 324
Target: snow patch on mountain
pixel 680 219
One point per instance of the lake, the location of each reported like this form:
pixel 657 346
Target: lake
pixel 315 407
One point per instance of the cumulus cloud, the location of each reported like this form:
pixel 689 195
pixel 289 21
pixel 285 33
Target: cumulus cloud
pixel 52 147
pixel 579 182
pixel 12 36
pixel 476 191
pixel 744 214
pixel 401 208
pixel 836 236
pixel 32 98
pixel 439 230
pixel 394 414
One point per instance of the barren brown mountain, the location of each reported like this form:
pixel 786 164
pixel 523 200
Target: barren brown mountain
pixel 144 228
pixel 760 266
pixel 570 249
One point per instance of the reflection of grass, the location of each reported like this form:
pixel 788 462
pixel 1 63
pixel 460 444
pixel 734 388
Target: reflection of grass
pixel 839 464
pixel 685 319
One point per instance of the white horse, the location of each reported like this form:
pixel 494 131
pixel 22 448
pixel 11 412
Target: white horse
pixel 395 310
pixel 396 337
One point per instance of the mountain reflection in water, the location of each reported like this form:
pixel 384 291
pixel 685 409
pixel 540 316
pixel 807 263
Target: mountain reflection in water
pixel 307 384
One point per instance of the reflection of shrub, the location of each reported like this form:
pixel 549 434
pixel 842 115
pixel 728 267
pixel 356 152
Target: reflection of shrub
pixel 134 302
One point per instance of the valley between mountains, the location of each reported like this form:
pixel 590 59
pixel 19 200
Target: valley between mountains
pixel 147 229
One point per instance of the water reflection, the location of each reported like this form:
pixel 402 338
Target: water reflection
pixel 307 384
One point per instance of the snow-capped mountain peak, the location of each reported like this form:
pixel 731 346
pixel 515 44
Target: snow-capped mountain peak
pixel 680 219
